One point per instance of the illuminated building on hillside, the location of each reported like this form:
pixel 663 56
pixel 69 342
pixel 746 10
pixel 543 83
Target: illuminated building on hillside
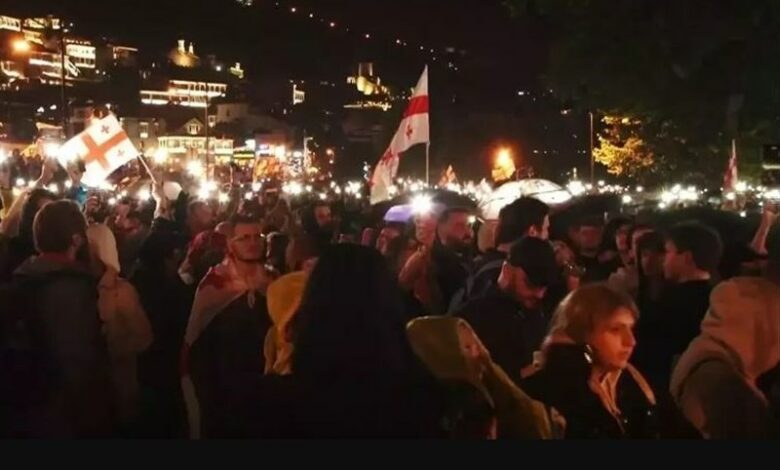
pixel 190 93
pixel 372 94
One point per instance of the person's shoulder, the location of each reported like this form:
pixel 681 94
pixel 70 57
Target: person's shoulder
pixel 713 375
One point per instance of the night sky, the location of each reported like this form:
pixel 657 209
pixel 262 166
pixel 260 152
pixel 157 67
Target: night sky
pixel 497 55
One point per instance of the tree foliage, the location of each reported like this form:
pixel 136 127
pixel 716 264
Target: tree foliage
pixel 621 149
pixel 696 73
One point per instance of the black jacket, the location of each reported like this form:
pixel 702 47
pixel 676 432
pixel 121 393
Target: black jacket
pixel 60 333
pixel 226 361
pixel 562 383
pixel 664 332
pixel 510 332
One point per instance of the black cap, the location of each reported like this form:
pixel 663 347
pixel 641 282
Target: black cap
pixel 537 258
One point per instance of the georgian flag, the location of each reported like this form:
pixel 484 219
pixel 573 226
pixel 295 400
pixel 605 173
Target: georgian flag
pixel 103 146
pixel 414 129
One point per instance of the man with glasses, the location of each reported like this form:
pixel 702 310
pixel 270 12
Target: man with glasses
pixel 223 345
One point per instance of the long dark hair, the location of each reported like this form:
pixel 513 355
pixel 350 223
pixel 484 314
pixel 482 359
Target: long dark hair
pixel 350 324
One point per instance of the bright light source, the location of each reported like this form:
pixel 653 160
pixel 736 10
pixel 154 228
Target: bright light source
pixel 218 68
pixel 280 152
pixel 53 188
pixel 257 187
pixel 332 24
pixel 743 214
pixel 3 157
pixel 323 196
pixel 731 196
pixel 249 196
pixel 472 219
pixel 576 187
pixel 203 193
pixel 223 198
pixel 160 156
pixel 639 189
pixel 422 204
pixel 112 201
pixel 627 199
pixel 51 149
pixel 601 183
pixel 20 46
pixel 195 168
pixel 144 194
pixel 293 9
pixel 741 187
pixel 210 186
pixel 504 158
pixel 68 184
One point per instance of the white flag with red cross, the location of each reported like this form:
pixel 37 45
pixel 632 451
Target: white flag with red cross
pixel 104 146
pixel 414 129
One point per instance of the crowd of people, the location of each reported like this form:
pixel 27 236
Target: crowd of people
pixel 171 319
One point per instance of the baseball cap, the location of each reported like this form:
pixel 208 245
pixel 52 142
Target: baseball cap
pixel 537 258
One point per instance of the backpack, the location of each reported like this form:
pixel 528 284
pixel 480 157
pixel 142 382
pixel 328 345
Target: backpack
pixel 470 291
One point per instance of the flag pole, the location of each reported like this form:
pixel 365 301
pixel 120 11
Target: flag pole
pixel 146 165
pixel 427 163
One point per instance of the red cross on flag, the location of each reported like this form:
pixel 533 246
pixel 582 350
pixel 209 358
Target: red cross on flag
pixel 104 146
pixel 414 129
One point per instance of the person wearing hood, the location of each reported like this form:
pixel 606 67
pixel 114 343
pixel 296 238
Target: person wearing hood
pixel 715 382
pixel 583 370
pixel 483 401
pixel 125 324
pixel 73 397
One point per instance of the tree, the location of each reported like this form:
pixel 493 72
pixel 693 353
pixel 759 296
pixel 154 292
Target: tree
pixel 621 149
pixel 695 73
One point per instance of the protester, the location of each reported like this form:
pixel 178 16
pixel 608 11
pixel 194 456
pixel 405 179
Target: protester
pixel 715 380
pixel 200 217
pixel 626 278
pixel 284 298
pixel 353 371
pixel 509 318
pixel 301 254
pixel 615 251
pixel 524 217
pixel 22 246
pixel 223 344
pixel 587 240
pixel 134 229
pixel 584 373
pixel 275 258
pixel 693 253
pixel 484 402
pixel 68 391
pixel 206 250
pixel 125 325
pixel 318 223
pixel 167 302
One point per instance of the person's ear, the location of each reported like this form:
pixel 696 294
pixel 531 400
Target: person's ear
pixel 506 277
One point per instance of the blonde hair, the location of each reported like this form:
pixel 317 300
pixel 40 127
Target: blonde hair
pixel 579 313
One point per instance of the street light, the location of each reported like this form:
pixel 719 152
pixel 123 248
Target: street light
pixel 21 46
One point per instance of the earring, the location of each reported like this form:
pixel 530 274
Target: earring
pixel 589 355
